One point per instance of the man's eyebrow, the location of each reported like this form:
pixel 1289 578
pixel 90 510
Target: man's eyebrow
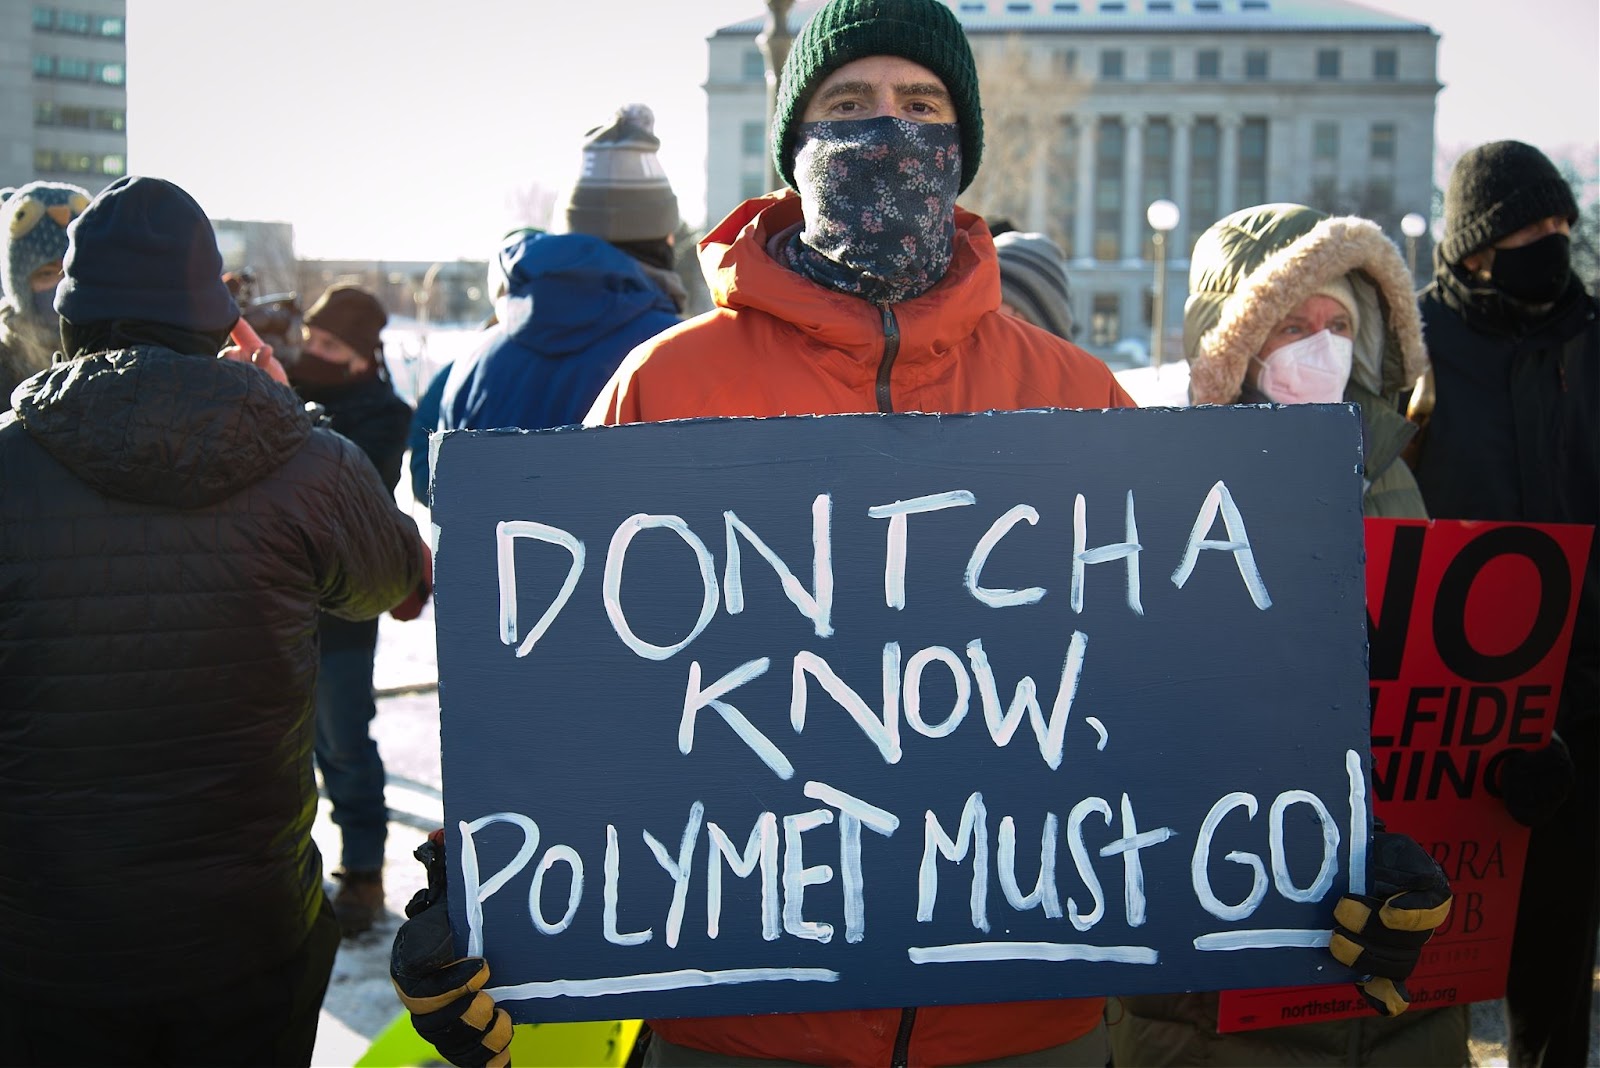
pixel 933 89
pixel 839 89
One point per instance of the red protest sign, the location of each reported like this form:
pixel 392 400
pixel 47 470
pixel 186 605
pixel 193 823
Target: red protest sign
pixel 1468 630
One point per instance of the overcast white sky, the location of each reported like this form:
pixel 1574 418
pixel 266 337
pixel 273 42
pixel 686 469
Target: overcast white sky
pixel 400 129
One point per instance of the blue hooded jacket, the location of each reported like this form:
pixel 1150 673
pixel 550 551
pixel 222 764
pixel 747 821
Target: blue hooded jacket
pixel 576 307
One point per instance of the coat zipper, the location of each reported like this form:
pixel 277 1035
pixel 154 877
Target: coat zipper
pixel 908 1020
pixel 891 349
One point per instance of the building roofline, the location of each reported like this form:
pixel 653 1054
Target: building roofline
pixel 1136 16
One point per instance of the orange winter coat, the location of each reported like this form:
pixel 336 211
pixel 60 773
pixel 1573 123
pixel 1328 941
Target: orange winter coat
pixel 777 344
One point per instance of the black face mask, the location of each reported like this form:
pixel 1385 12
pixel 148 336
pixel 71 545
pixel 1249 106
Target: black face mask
pixel 1536 273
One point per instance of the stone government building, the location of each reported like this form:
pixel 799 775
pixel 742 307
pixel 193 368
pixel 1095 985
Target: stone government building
pixel 1095 108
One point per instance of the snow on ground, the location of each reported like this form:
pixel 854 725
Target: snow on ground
pixel 1166 386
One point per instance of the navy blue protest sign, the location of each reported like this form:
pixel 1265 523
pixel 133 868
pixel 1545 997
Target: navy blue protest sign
pixel 854 711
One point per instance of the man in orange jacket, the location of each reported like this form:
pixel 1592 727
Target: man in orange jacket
pixel 863 289
pixel 866 289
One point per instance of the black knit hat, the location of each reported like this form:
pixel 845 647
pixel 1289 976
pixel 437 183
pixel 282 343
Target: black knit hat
pixel 144 250
pixel 923 31
pixel 1496 190
pixel 352 315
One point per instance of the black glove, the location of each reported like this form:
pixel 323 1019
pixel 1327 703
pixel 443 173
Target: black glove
pixel 1381 935
pixel 443 992
pixel 1535 783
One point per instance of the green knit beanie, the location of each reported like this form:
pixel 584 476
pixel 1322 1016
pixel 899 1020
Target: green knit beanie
pixel 923 31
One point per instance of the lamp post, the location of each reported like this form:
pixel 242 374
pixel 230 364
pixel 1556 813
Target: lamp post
pixel 774 42
pixel 1162 215
pixel 1413 226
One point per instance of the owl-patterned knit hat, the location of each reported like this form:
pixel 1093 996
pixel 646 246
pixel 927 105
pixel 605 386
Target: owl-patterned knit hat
pixel 33 222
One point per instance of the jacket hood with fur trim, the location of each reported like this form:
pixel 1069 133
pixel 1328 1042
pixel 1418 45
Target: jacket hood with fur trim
pixel 1254 267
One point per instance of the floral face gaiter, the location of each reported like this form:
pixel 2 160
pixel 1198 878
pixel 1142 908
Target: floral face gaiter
pixel 879 198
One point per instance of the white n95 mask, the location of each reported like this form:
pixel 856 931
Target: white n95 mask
pixel 1313 370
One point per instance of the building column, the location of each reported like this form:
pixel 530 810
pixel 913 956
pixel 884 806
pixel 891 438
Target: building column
pixel 1039 182
pixel 1228 166
pixel 1083 225
pixel 1178 240
pixel 1133 205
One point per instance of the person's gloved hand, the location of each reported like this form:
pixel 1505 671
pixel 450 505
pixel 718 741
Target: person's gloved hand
pixel 1381 935
pixel 1535 783
pixel 443 992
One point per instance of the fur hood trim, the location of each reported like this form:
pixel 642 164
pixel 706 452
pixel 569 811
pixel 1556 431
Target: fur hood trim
pixel 1333 247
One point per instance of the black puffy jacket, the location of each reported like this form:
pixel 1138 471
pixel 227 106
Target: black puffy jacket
pixel 170 526
pixel 1515 434
pixel 372 415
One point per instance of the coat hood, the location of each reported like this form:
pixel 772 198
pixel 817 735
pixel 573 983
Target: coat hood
pixel 1251 269
pixel 742 274
pixel 567 292
pixel 151 425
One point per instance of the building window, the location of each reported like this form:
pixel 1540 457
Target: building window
pixel 113 166
pixel 44 161
pixel 1065 61
pixel 1020 7
pixel 109 119
pixel 753 139
pixel 1385 64
pixel 1156 169
pixel 1064 194
pixel 1208 6
pixel 754 68
pixel 111 26
pixel 1112 7
pixel 1161 64
pixel 44 113
pixel 1327 62
pixel 110 73
pixel 1065 7
pixel 72 22
pixel 1208 64
pixel 1379 206
pixel 1325 195
pixel 43 18
pixel 1105 319
pixel 753 185
pixel 1111 64
pixel 1325 141
pixel 1205 156
pixel 72 69
pixel 1255 66
pixel 1159 7
pixel 1253 161
pixel 1110 145
pixel 974 7
pixel 68 115
pixel 1382 141
pixel 43 66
